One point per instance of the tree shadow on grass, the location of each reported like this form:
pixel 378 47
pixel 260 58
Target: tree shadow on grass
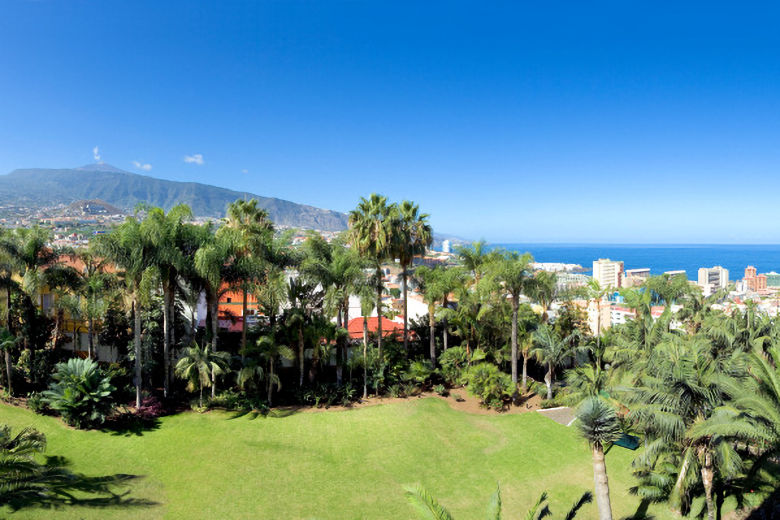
pixel 54 486
pixel 129 424
pixel 276 413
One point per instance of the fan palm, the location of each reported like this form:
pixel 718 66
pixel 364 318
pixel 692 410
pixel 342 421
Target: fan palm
pixel 598 424
pixel 7 342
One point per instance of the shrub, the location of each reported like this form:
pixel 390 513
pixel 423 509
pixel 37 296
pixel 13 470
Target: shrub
pixel 457 397
pixel 410 389
pixel 489 383
pixel 549 403
pixel 453 361
pixel 419 372
pixel 37 404
pixel 441 390
pixel 396 391
pixel 80 392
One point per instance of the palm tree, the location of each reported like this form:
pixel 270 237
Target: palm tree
pixel 7 342
pixel 598 424
pixel 474 258
pixel 339 270
pixel 553 351
pixel 129 248
pixel 511 271
pixel 199 364
pixel 252 230
pixel 365 292
pixel 428 508
pixel 542 288
pixel 165 232
pixel 431 282
pixel 371 227
pixel 213 265
pixel 412 235
pixel 271 351
pixel 680 390
pixel 302 298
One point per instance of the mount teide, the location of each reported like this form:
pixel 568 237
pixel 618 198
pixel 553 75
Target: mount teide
pixel 48 187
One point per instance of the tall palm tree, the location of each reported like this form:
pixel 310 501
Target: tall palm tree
pixel 213 265
pixel 7 342
pixel 129 248
pixel 412 235
pixel 166 233
pixel 474 258
pixel 253 230
pixel 303 298
pixel 270 351
pixel 431 281
pixel 553 351
pixel 598 424
pixel 339 270
pixel 365 293
pixel 512 273
pixel 371 226
pixel 199 364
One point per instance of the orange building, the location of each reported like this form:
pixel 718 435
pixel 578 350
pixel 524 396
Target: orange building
pixel 755 282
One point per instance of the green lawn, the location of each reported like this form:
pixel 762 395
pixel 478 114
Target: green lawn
pixel 336 465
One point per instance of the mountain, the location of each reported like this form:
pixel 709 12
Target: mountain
pixel 48 187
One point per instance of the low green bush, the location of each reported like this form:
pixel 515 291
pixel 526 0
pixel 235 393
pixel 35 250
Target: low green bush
pixel 453 361
pixel 37 404
pixel 441 390
pixel 489 383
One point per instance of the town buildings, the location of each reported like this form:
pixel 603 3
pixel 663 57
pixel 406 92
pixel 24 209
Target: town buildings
pixel 713 279
pixel 608 273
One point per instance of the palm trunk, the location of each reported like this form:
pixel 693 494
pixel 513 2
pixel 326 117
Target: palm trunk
pixel 347 341
pixel 365 357
pixel 8 368
pixel 379 312
pixel 339 351
pixel 405 276
pixel 676 496
pixel 601 483
pixel 214 338
pixel 172 333
pixel 243 322
pixel 548 381
pixel 137 345
pixel 200 399
pixel 525 374
pixel 166 336
pixel 301 353
pixel 432 329
pixel 445 334
pixel 706 479
pixel 515 305
pixel 90 342
pixel 271 383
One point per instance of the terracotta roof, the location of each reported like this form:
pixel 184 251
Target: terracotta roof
pixel 389 327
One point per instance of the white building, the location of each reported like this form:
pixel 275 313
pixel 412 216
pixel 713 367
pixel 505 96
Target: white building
pixel 713 279
pixel 445 246
pixel 608 273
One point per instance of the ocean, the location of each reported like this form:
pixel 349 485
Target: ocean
pixel 660 258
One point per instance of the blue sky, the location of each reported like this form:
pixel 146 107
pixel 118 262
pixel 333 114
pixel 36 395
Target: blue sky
pixel 536 122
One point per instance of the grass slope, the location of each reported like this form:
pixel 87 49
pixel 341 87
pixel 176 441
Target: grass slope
pixel 336 465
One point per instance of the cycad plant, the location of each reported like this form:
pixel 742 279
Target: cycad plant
pixel 80 392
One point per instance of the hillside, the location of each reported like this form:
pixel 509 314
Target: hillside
pixel 36 187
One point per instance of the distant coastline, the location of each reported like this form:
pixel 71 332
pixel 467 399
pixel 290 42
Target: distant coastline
pixel 660 257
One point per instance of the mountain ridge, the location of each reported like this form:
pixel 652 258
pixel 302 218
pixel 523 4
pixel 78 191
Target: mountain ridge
pixel 52 186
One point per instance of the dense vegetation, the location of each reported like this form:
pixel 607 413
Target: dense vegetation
pixel 696 385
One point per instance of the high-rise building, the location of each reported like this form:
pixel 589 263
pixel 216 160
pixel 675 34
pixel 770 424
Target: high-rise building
pixel 608 273
pixel 712 279
pixel 755 282
pixel 445 246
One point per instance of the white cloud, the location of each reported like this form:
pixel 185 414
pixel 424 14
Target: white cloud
pixel 244 171
pixel 142 166
pixel 195 158
pixel 96 153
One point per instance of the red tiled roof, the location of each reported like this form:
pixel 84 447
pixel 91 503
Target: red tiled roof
pixel 389 327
